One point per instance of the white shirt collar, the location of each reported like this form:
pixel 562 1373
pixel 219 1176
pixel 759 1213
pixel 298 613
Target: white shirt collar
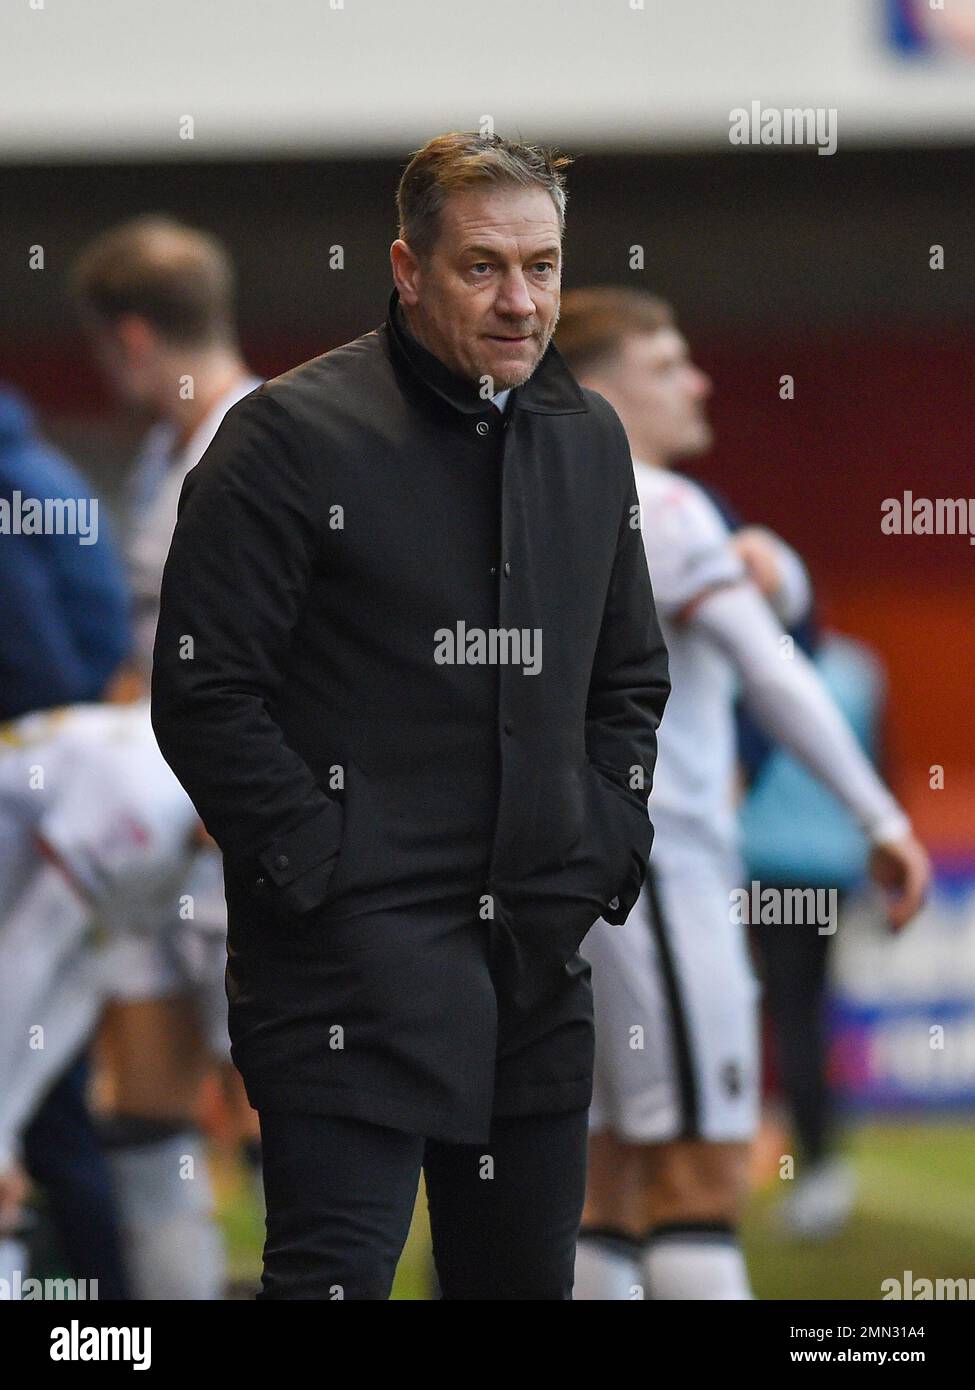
pixel 199 442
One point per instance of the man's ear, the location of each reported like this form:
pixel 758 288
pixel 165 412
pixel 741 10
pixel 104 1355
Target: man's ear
pixel 406 271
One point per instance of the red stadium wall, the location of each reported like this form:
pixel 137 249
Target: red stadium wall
pixel 872 417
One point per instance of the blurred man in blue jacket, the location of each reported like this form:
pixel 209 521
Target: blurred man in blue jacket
pixel 65 630
pixel 64 625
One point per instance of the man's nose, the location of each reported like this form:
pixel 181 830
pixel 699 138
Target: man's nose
pixel 703 384
pixel 514 299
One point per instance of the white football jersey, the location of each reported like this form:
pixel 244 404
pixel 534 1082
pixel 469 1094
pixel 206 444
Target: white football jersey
pixel 155 485
pixel 95 843
pixel 87 785
pixel 689 552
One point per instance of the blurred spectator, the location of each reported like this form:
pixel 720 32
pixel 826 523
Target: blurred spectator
pixel 156 300
pixel 797 835
pixel 64 625
pixel 64 632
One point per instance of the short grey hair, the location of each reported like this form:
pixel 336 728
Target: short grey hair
pixel 460 159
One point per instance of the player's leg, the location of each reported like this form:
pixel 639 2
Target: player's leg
pixel 696 1184
pixel 63 1153
pixel 610 1245
pixel 795 961
pixel 199 944
pixel 675 1099
pixel 636 1097
pixel 794 958
pixel 504 1215
pixel 340 1195
pixel 16 1222
pixel 694 1196
pixel 155 1062
pixel 167 1016
pixel 661 1220
pixel 51 999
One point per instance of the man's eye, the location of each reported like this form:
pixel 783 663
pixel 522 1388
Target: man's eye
pixel 544 265
pixel 481 265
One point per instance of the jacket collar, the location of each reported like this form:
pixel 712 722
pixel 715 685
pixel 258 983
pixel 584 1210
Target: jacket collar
pixel 550 390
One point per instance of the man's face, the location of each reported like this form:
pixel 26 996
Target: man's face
pixel 125 352
pixel 660 396
pixel 487 300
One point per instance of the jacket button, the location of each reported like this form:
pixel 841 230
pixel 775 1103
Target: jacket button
pixel 494 569
pixel 509 728
pixel 507 570
pixel 614 904
pixel 259 882
pixel 482 427
pixel 282 861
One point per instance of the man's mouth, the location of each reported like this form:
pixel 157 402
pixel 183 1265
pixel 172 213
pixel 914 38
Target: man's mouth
pixel 505 338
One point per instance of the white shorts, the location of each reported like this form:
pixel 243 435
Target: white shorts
pixel 676 1008
pixel 141 967
pixel 172 954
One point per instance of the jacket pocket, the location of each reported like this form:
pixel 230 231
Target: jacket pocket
pixel 362 854
pixel 295 870
pixel 624 826
pixel 556 824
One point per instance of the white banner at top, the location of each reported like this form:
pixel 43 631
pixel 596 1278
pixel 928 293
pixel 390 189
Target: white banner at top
pixel 133 79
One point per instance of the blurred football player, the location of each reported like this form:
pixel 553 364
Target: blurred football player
pixel 156 299
pixel 675 1105
pixel 98 843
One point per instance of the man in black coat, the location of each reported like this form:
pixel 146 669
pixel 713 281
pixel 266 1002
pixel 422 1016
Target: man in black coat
pixel 409 671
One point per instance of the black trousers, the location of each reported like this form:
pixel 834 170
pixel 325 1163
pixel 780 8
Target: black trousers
pixel 794 962
pixel 340 1193
pixel 63 1153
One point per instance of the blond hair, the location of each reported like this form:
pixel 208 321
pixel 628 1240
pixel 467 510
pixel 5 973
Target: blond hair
pixel 594 322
